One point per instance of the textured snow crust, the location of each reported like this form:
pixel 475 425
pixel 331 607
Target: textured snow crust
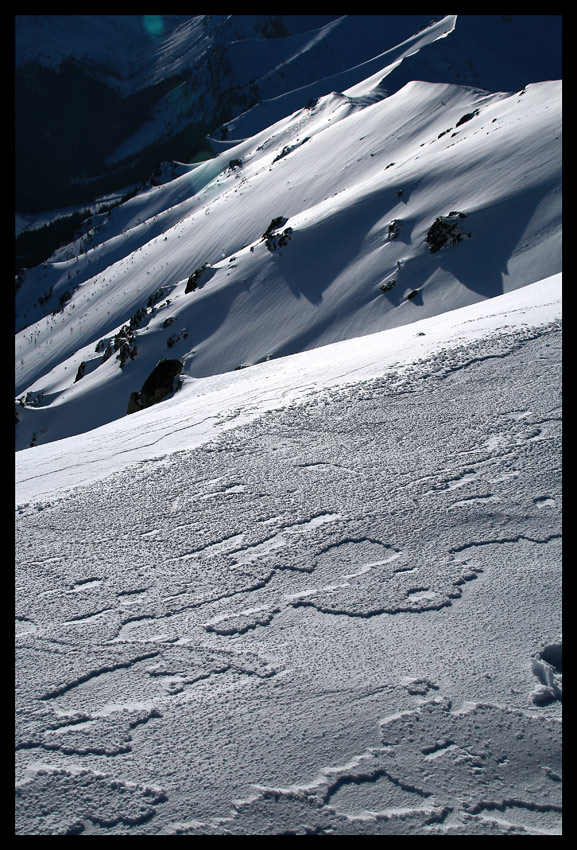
pixel 332 619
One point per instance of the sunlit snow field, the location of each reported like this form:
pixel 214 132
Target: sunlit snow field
pixel 322 595
pixel 317 588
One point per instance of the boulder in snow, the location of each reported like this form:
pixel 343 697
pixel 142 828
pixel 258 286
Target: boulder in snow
pixel 445 231
pixel 159 384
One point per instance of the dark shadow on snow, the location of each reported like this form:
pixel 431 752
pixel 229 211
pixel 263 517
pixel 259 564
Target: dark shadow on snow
pixel 321 252
pixel 482 262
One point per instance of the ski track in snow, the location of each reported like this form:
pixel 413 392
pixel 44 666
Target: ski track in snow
pixel 290 629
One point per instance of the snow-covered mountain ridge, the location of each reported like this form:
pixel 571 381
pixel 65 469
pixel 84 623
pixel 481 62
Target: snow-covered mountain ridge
pixel 358 184
pixel 108 97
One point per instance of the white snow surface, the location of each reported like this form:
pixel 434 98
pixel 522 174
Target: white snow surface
pixel 206 407
pixel 319 596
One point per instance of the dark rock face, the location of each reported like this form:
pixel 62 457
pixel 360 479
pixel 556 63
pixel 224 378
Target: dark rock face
pixel 274 225
pixel 274 240
pixel 157 386
pixel 445 231
pixel 466 117
pixel 81 371
pixel 194 279
pixel 279 240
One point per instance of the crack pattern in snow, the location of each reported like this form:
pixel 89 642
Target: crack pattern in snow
pixel 245 648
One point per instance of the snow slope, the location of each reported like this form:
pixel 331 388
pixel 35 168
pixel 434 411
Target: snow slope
pixel 359 183
pixel 317 589
pixel 320 596
pixel 206 407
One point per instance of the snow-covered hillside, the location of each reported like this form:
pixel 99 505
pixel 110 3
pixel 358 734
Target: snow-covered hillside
pixel 288 437
pixel 355 186
pixel 321 596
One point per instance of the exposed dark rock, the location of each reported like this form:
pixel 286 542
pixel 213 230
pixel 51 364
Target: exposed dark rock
pixel 446 231
pixel 124 342
pixel 413 294
pixel 394 229
pixel 159 384
pixel 81 371
pixel 194 279
pixel 172 340
pixel 289 149
pixel 274 240
pixel 466 117
pixel 274 225
pixel 133 403
pixel 127 351
pixel 138 318
pixel 279 240
pixel 157 296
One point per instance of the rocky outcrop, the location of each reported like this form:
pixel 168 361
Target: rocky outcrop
pixel 445 231
pixel 81 372
pixel 466 117
pixel 194 279
pixel 159 384
pixel 272 238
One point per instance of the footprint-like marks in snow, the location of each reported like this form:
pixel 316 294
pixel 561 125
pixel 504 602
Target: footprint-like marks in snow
pixel 85 584
pixel 80 734
pixel 183 665
pixel 466 476
pixel 419 686
pixel 544 502
pixel 474 500
pixel 358 578
pixel 241 622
